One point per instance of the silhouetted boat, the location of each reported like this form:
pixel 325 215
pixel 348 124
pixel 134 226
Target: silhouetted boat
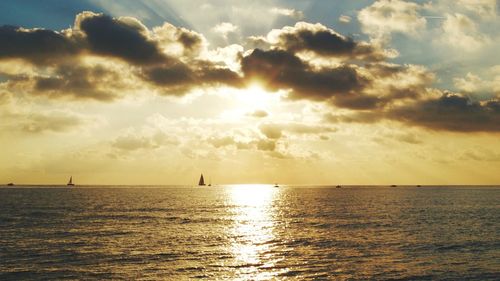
pixel 418 185
pixel 10 184
pixel 338 186
pixel 276 185
pixel 202 181
pixel 393 185
pixel 70 182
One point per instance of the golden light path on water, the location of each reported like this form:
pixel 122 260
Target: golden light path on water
pixel 254 225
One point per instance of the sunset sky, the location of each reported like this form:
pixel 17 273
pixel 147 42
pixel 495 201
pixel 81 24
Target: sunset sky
pixel 295 92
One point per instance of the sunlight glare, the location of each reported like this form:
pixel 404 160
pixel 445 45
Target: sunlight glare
pixel 249 100
pixel 253 229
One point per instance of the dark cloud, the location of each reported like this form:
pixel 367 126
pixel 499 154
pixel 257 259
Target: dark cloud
pixel 279 69
pixel 125 38
pixel 38 46
pixel 360 101
pixel 169 75
pixel 180 78
pixel 451 112
pixel 79 82
pixel 372 89
pixel 324 42
pixel 191 41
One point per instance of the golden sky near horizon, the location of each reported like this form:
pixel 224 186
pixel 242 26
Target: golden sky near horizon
pixel 369 96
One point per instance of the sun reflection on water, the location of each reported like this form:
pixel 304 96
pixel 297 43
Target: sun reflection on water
pixel 253 230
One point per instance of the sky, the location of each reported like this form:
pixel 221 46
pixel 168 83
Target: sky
pixel 294 92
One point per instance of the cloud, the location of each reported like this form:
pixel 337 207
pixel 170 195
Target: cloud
pixel 470 83
pixel 180 78
pixel 295 14
pixel 166 57
pixel 38 46
pixel 308 62
pixel 451 112
pixel 178 41
pixel 54 122
pixel 271 131
pixel 481 154
pixel 75 81
pixel 277 69
pixel 460 32
pixel 79 82
pixel 367 117
pixel 385 17
pixel 275 130
pixel 345 19
pixel 322 41
pixel 224 28
pixel 410 138
pixel 125 38
pixel 482 10
pixel 137 141
pixel 33 122
pixel 259 114
pixel 266 145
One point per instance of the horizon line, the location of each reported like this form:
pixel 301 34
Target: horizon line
pixel 248 184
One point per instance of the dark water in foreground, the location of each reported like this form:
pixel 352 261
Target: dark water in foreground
pixel 250 233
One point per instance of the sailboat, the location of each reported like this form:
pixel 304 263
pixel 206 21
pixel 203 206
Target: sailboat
pixel 70 182
pixel 202 181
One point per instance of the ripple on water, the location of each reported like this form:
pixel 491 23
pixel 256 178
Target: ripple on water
pixel 250 234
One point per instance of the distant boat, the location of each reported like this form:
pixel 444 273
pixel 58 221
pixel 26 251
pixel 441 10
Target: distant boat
pixel 202 181
pixel 210 182
pixel 418 185
pixel 393 185
pixel 276 185
pixel 338 186
pixel 10 184
pixel 70 182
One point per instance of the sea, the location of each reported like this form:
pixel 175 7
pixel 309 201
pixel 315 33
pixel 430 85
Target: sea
pixel 250 232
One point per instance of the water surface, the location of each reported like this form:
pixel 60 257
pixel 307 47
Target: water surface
pixel 250 233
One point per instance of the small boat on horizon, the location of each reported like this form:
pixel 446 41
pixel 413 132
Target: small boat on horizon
pixel 10 184
pixel 201 182
pixel 276 185
pixel 338 186
pixel 70 182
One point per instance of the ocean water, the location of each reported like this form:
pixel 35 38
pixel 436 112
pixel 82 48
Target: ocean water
pixel 250 233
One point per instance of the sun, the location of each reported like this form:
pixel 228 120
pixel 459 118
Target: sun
pixel 255 97
pixel 247 101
